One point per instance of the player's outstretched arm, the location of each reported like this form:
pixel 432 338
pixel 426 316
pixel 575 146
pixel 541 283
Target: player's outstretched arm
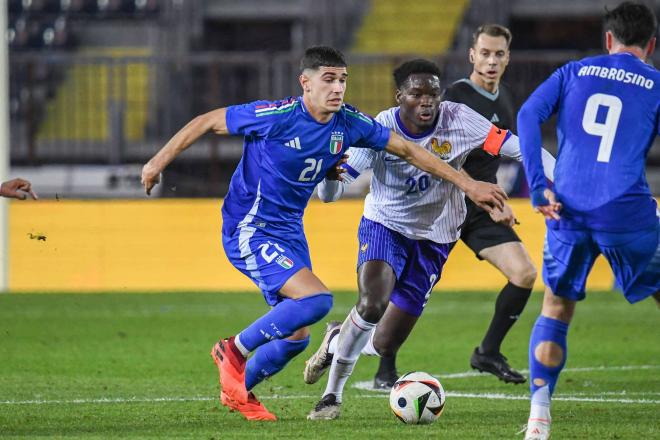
pixel 483 194
pixel 215 121
pixel 17 189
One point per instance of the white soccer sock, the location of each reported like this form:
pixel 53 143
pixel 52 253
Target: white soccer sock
pixel 240 346
pixel 540 408
pixel 332 347
pixel 369 349
pixel 352 338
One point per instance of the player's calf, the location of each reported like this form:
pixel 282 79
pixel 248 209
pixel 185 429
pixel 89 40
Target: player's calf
pixel 271 358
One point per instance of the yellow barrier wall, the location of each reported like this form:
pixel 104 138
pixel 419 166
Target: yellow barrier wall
pixel 175 245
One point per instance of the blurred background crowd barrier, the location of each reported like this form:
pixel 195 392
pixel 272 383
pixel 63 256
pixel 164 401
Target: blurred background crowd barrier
pixel 98 86
pixel 174 245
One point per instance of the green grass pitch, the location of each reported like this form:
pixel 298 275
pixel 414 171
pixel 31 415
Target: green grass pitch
pixel 138 366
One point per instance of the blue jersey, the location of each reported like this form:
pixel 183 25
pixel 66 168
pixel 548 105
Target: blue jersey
pixel 608 115
pixel 286 153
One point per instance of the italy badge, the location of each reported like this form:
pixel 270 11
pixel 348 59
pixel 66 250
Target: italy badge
pixel 336 142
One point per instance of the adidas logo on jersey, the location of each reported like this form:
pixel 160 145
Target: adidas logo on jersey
pixel 495 118
pixel 293 143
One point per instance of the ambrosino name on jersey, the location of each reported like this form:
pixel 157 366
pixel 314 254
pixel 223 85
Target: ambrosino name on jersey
pixel 617 75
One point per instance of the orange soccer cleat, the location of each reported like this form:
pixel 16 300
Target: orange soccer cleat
pixel 231 366
pixel 252 410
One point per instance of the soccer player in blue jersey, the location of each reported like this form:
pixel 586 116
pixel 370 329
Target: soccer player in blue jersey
pixel 289 147
pixel 608 115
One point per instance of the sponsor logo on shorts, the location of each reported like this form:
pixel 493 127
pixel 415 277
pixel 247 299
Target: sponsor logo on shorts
pixel 364 247
pixel 285 262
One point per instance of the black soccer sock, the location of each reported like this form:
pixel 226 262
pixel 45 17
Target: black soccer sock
pixel 508 307
pixel 387 365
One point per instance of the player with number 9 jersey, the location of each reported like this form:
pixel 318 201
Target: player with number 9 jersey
pixel 608 115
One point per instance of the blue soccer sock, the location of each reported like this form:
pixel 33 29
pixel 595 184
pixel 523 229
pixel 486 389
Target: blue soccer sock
pixel 284 319
pixel 543 378
pixel 271 358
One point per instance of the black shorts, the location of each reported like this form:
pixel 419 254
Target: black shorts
pixel 480 231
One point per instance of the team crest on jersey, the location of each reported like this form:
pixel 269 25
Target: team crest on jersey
pixel 442 149
pixel 336 142
pixel 285 262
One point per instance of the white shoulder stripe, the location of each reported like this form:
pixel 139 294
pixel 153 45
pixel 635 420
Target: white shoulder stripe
pixel 275 108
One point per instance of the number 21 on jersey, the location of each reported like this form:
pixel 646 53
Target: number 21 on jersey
pixel 312 170
pixel 605 130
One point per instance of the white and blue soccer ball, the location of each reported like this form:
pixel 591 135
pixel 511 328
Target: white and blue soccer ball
pixel 417 398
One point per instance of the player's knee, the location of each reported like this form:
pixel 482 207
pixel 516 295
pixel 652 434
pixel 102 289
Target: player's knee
pixel 299 334
pixel 524 276
pixel 316 307
pixel 371 307
pixel 549 354
pixel 292 348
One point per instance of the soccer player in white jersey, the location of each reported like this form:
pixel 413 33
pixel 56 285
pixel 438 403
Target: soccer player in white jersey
pixel 411 221
pixel 491 237
pixel 608 116
pixel 289 145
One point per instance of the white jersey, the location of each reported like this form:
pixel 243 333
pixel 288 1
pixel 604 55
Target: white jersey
pixel 410 201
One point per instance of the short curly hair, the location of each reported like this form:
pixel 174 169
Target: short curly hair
pixel 411 67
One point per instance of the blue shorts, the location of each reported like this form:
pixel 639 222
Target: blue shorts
pixel 269 261
pixel 569 255
pixel 417 264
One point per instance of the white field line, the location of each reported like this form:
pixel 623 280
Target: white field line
pixel 380 395
pixel 565 370
pixel 366 385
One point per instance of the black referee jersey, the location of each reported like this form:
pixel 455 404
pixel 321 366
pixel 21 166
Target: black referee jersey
pixel 497 107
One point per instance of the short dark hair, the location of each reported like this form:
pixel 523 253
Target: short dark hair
pixel 632 23
pixel 493 30
pixel 322 56
pixel 411 67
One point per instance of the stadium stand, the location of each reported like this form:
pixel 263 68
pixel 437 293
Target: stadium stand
pixel 108 81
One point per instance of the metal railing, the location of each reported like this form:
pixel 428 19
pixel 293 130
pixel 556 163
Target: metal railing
pixel 91 109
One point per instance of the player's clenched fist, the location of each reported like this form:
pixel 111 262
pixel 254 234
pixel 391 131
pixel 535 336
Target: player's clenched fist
pixel 150 177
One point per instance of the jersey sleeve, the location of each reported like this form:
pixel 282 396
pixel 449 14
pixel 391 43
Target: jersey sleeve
pixel 366 132
pixel 255 118
pixel 538 108
pixel 479 131
pixel 359 160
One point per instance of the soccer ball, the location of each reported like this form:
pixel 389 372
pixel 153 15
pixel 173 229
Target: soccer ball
pixel 417 398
